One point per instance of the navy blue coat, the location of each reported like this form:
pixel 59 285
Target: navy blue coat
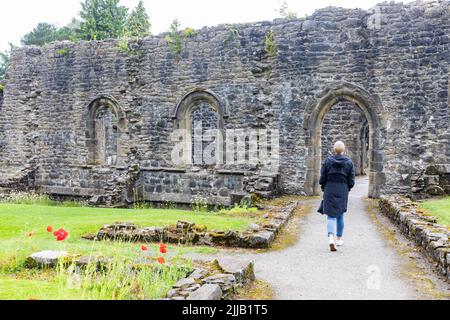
pixel 337 178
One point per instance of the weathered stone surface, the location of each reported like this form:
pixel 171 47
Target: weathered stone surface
pixel 261 239
pixel 226 282
pixel 198 274
pixel 242 270
pixel 373 58
pixel 44 259
pixel 183 283
pixel 209 292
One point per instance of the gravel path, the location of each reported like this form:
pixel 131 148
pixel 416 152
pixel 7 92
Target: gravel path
pixel 369 266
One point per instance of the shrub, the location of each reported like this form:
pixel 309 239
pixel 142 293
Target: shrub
pixel 174 39
pixel 123 46
pixel 189 33
pixel 62 52
pixel 271 44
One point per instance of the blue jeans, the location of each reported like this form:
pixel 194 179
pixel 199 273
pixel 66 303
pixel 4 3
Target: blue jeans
pixel 336 223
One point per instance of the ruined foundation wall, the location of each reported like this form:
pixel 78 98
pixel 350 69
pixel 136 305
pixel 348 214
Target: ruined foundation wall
pixel 397 53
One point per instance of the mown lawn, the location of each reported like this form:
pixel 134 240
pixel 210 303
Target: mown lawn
pixel 439 208
pixel 23 231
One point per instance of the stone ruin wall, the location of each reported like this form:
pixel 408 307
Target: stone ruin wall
pixel 397 55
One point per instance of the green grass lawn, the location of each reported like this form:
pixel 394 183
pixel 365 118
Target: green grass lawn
pixel 23 231
pixel 439 208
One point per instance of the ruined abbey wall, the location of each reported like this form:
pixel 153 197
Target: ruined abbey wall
pixel 393 61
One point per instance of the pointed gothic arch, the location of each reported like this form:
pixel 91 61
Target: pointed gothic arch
pixel 106 122
pixel 373 110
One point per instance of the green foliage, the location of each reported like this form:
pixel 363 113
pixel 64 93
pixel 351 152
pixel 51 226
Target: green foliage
pixel 102 19
pixel 189 33
pixel 200 205
pixel 134 277
pixel 123 279
pixel 123 46
pixel 439 208
pixel 239 210
pixel 138 23
pixel 45 33
pixel 2 87
pixel 63 52
pixel 285 12
pixel 4 63
pixel 271 44
pixel 70 32
pixel 174 39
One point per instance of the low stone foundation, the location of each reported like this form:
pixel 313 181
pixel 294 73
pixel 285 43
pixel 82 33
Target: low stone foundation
pixel 218 281
pixel 424 230
pixel 258 236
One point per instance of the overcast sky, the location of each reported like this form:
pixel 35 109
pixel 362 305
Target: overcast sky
pixel 18 17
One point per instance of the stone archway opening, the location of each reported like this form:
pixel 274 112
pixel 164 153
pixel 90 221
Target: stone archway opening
pixel 368 152
pixel 346 122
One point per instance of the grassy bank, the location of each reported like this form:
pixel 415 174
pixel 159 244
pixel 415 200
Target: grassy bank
pixel 439 208
pixel 23 231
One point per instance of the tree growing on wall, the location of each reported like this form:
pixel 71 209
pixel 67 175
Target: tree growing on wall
pixel 138 23
pixel 174 39
pixel 102 19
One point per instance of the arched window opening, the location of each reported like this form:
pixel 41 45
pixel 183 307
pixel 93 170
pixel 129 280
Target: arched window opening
pixel 204 126
pixel 200 116
pixel 106 127
pixel 106 121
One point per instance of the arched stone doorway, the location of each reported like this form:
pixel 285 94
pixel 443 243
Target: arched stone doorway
pixel 315 112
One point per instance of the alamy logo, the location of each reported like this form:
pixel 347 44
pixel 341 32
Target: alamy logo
pixel 215 147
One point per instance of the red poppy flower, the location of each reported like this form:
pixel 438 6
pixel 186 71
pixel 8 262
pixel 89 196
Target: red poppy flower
pixel 144 248
pixel 61 234
pixel 161 260
pixel 49 229
pixel 162 248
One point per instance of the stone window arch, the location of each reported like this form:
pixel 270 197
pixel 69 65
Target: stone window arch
pixel 106 122
pixel 200 115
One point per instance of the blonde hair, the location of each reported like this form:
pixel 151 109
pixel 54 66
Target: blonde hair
pixel 339 147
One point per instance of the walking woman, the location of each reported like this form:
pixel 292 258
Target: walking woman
pixel 337 178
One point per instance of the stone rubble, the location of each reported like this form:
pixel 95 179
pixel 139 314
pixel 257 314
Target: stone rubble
pixel 214 285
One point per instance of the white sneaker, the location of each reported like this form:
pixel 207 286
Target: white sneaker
pixel 340 243
pixel 332 244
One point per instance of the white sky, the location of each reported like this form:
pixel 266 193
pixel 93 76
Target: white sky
pixel 18 17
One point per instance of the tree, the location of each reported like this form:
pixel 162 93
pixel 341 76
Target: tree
pixel 43 33
pixel 102 19
pixel 70 32
pixel 138 23
pixel 4 62
pixel 174 39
